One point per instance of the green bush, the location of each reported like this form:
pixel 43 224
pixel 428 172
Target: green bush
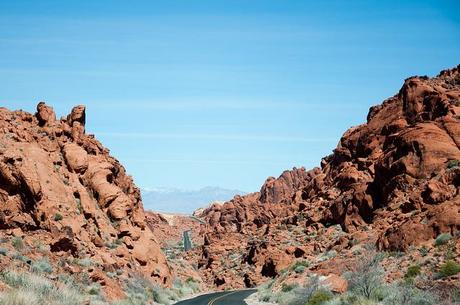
pixel 141 291
pixel 265 291
pixel 57 217
pixel 41 266
pixel 288 287
pixel 412 272
pixel 302 263
pixel 17 243
pixel 449 268
pixel 300 266
pixel 367 279
pixel 453 163
pixel 423 251
pixel 21 257
pixel 30 288
pixel 19 297
pixel 94 289
pixel 299 269
pixel 408 295
pixel 442 239
pixel 320 297
pixel 297 295
pixel 83 262
pixel 456 296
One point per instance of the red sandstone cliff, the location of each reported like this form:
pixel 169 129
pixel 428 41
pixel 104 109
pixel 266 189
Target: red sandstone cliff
pixel 393 182
pixel 59 186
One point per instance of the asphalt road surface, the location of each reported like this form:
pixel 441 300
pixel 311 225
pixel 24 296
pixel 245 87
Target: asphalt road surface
pixel 235 297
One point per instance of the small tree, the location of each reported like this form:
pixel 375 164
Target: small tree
pixel 366 280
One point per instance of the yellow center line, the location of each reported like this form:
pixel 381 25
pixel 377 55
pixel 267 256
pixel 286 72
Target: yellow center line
pixel 220 297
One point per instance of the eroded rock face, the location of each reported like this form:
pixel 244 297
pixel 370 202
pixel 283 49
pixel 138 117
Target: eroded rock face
pixel 281 189
pixel 393 181
pixel 61 183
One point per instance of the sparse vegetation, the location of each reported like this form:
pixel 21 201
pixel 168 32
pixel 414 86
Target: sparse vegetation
pixel 17 243
pixel 442 239
pixel 287 287
pixel 299 269
pixel 453 163
pixel 366 287
pixel 41 266
pixel 30 288
pixel 83 262
pixel 366 281
pixel 423 251
pixel 449 268
pixel 320 297
pixel 300 266
pixel 21 257
pixel 412 272
pixel 408 295
pixel 114 244
pixel 37 288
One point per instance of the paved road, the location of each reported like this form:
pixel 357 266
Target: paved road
pixel 235 297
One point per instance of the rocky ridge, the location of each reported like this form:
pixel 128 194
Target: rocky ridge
pixel 393 182
pixel 64 196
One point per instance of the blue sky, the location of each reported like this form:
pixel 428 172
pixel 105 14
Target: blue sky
pixel 194 93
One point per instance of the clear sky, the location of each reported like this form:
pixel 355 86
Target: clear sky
pixel 225 93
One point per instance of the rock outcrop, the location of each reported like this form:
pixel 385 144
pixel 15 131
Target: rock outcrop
pixel 393 181
pixel 59 185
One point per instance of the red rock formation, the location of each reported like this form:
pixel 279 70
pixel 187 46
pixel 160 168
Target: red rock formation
pixel 62 185
pixel 398 174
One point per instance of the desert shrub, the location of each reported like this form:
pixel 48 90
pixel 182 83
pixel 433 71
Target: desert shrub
pixel 327 256
pixel 265 291
pixel 137 290
pixel 456 296
pixel 442 239
pixel 83 262
pixel 112 275
pixel 298 263
pixel 288 287
pixel 408 295
pixel 423 251
pixel 183 289
pixel 31 288
pixel 21 257
pixel 141 291
pixel 19 297
pixel 17 243
pixel 450 254
pixel 58 217
pixel 194 285
pixel 453 163
pixel 449 268
pixel 366 280
pixel 94 289
pixel 298 295
pixel 41 266
pixel 412 272
pixel 3 251
pixel 300 266
pixel 320 297
pixel 115 244
pixel 266 295
pixel 299 269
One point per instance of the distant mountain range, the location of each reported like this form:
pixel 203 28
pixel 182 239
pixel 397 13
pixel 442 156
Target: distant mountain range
pixel 173 200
